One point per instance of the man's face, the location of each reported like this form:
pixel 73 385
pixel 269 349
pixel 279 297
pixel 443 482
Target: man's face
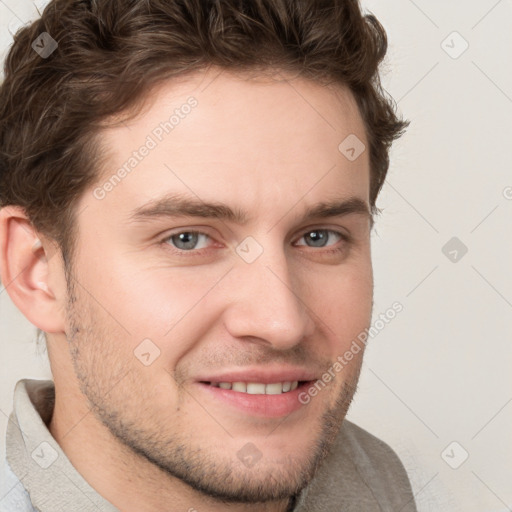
pixel 158 313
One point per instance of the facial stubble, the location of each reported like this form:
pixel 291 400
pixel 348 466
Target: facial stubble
pixel 108 379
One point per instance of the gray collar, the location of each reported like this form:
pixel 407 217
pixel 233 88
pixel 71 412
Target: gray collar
pixel 38 461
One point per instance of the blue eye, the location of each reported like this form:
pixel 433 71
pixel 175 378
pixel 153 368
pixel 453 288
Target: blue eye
pixel 319 237
pixel 187 240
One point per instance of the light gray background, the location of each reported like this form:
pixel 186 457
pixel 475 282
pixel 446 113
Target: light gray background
pixel 440 371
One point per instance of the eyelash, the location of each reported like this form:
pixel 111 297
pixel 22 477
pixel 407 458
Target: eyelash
pixel 347 239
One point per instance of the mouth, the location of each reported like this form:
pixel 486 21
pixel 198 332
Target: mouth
pixel 269 400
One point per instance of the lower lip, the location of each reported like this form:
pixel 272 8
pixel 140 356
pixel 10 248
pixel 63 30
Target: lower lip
pixel 268 406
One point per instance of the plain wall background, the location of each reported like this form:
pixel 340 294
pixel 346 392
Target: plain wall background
pixel 440 371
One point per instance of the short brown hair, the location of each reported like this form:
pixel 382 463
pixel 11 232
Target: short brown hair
pixel 109 55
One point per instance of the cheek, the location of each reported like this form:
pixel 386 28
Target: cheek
pixel 344 301
pixel 170 307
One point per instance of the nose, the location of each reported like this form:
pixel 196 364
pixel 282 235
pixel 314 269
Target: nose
pixel 267 303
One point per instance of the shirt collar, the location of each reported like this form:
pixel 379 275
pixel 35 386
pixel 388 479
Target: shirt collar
pixel 38 461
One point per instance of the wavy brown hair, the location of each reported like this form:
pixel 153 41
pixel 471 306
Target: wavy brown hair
pixel 112 52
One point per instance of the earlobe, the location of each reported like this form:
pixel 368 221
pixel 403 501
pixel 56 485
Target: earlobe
pixel 25 271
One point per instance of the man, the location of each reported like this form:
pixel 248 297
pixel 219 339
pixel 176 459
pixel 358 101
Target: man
pixel 188 191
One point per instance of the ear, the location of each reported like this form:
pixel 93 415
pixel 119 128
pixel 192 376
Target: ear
pixel 25 271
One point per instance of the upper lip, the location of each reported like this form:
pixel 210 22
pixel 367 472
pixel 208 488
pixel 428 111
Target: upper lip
pixel 263 375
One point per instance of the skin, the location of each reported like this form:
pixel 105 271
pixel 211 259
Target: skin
pixel 144 436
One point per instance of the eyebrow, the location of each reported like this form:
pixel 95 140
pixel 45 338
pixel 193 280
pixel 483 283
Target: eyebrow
pixel 178 205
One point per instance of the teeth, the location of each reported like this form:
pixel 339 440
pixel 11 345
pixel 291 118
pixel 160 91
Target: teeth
pixel 239 386
pixel 254 388
pixel 258 388
pixel 274 389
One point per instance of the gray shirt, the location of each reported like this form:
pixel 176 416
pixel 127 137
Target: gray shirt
pixel 361 473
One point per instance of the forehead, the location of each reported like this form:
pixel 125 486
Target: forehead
pixel 256 139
